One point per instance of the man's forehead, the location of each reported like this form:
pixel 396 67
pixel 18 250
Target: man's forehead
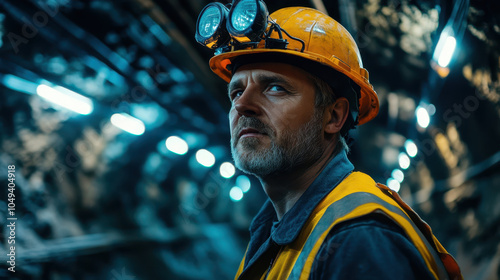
pixel 271 66
pixel 264 70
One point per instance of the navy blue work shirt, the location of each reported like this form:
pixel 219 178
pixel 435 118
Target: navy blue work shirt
pixel 370 247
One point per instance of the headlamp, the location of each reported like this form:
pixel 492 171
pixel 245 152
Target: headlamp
pixel 243 26
pixel 247 20
pixel 211 26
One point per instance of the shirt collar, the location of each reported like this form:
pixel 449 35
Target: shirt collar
pixel 292 222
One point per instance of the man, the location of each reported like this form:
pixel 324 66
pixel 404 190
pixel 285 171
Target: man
pixel 292 105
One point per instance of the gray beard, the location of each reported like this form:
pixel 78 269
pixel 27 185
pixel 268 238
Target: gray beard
pixel 294 150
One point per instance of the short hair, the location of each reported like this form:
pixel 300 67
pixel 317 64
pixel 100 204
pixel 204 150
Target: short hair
pixel 324 97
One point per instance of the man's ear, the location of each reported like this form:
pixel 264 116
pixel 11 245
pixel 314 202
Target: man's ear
pixel 336 115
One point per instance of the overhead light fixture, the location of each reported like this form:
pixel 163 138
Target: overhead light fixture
pixel 18 84
pixel 398 175
pixel 227 170
pixel 411 148
pixel 66 98
pixel 211 26
pixel 404 161
pixel 423 118
pixel 247 20
pixel 236 194
pixel 244 183
pixel 128 123
pixel 445 47
pixel 393 184
pixel 176 145
pixel 449 38
pixel 205 158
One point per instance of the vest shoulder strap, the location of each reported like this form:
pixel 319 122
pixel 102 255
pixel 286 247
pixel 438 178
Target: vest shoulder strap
pixel 356 196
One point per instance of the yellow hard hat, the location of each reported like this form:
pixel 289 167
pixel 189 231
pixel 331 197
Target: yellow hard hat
pixel 326 46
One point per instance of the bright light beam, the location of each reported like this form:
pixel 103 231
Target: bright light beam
pixel 227 170
pixel 205 158
pixel 423 118
pixel 236 194
pixel 404 161
pixel 128 123
pixel 445 47
pixel 177 145
pixel 19 84
pixel 411 148
pixel 444 57
pixel 398 175
pixel 66 98
pixel 244 183
pixel 393 184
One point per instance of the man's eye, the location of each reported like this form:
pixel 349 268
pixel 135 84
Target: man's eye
pixel 277 88
pixel 235 93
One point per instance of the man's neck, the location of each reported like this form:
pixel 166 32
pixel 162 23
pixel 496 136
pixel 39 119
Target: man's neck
pixel 286 188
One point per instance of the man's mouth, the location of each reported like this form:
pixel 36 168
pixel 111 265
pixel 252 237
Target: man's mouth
pixel 250 132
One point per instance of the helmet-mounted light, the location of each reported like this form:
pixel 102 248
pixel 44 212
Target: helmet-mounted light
pixel 211 26
pixel 247 20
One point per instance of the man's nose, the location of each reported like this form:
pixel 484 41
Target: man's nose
pixel 248 103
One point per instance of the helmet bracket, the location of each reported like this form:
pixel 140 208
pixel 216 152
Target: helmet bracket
pixel 272 43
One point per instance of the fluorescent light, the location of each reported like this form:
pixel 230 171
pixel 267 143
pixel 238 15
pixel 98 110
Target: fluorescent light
pixel 128 123
pixel 243 182
pixel 398 175
pixel 411 148
pixel 404 161
pixel 227 170
pixel 236 194
pixel 445 47
pixel 446 53
pixel 393 184
pixel 176 145
pixel 423 118
pixel 431 109
pixel 66 98
pixel 205 158
pixel 19 84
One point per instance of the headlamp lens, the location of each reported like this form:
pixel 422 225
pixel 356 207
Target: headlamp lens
pixel 211 29
pixel 244 14
pixel 209 21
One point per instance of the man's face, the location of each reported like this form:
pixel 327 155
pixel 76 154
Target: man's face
pixel 275 126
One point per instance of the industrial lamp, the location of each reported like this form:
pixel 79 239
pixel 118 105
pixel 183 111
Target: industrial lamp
pixel 211 26
pixel 247 20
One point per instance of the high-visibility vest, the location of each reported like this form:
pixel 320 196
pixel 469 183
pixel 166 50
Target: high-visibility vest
pixel 356 196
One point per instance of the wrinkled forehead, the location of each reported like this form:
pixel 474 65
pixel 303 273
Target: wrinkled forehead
pixel 270 69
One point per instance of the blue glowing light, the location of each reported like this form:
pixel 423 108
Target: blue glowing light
pixel 128 123
pixel 66 98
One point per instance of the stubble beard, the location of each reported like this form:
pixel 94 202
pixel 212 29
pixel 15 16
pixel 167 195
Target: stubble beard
pixel 295 149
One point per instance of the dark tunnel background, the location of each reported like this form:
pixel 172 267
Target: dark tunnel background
pixel 95 202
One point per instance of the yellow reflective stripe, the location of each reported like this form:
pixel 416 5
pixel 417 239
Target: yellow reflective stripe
pixel 358 212
pixel 242 264
pixel 297 259
pixel 349 208
pixel 285 262
pixel 360 182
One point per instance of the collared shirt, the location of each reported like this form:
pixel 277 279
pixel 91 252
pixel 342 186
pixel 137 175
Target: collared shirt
pixel 371 247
